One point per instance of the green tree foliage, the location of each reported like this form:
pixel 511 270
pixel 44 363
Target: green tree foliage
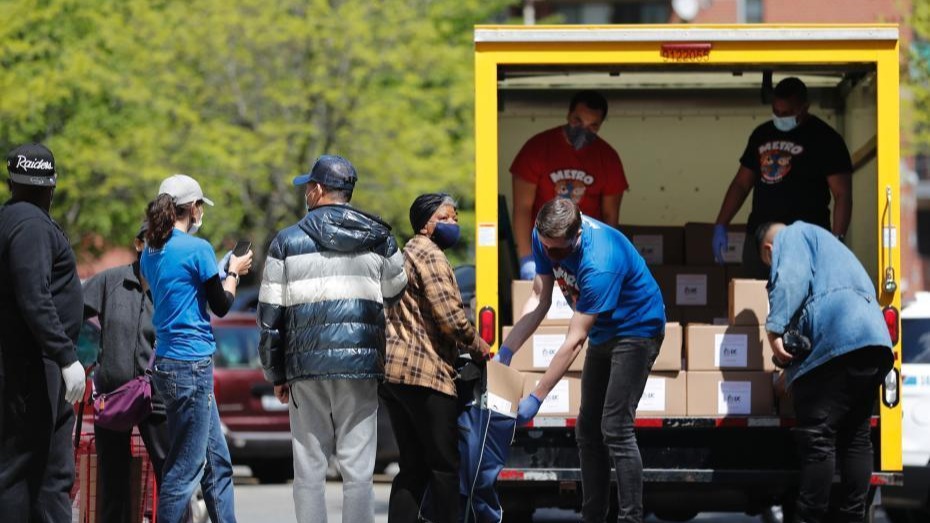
pixel 242 95
pixel 917 79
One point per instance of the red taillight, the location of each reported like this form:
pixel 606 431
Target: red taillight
pixel 487 325
pixel 891 321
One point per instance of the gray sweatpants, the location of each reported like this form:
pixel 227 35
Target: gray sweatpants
pixel 334 417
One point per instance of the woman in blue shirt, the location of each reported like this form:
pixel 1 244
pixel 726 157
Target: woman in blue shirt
pixel 183 276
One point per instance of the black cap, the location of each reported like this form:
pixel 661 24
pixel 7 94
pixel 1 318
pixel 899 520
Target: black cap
pixel 329 170
pixel 32 164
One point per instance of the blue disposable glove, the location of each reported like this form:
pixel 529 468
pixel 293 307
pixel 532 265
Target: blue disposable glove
pixel 527 409
pixel 504 355
pixel 223 265
pixel 527 267
pixel 720 242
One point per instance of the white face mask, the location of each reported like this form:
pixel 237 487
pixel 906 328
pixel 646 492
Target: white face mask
pixel 785 123
pixel 195 226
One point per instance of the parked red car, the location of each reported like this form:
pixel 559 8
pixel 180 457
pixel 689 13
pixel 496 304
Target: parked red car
pixel 255 423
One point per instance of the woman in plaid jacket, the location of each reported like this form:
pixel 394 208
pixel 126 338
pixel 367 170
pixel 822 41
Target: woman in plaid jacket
pixel 426 332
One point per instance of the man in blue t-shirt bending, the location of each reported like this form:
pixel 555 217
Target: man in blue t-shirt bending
pixel 618 305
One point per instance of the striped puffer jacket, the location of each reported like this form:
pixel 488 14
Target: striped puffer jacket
pixel 321 306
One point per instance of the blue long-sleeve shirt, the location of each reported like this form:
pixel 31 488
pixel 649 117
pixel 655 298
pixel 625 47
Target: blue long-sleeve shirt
pixel 814 273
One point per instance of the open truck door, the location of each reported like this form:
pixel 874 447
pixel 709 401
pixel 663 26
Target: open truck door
pixel 683 101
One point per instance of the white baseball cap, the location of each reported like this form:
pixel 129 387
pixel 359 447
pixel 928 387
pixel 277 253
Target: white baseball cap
pixel 183 189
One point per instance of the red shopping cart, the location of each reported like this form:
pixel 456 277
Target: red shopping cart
pixel 84 494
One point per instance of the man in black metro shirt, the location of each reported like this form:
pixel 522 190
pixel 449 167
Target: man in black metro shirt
pixel 792 164
pixel 41 311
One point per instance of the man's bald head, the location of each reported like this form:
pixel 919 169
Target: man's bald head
pixel 765 238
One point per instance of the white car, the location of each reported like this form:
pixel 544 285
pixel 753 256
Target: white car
pixel 911 503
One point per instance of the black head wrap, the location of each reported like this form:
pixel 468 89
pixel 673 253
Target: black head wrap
pixel 424 207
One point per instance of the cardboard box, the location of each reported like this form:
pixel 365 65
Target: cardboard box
pixel 729 393
pixel 704 315
pixel 726 347
pixel 739 272
pixel 505 388
pixel 669 358
pixel 749 302
pixel 686 287
pixel 536 354
pixel 559 313
pixel 699 239
pixel 657 245
pixel 563 400
pixel 665 394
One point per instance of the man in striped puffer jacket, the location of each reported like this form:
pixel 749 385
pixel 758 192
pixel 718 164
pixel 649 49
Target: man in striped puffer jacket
pixel 321 306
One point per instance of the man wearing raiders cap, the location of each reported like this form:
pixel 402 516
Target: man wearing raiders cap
pixel 41 311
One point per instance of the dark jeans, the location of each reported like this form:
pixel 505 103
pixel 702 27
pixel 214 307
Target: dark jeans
pixel 612 383
pixel 36 453
pixel 425 425
pixel 833 404
pixel 114 457
pixel 198 451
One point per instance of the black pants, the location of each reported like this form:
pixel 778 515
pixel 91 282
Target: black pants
pixel 612 383
pixel 753 267
pixel 114 457
pixel 36 452
pixel 425 425
pixel 833 404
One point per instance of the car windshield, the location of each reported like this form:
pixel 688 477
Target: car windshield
pixel 915 340
pixel 236 347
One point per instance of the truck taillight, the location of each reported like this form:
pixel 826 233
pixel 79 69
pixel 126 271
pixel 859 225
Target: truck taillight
pixel 487 325
pixel 891 321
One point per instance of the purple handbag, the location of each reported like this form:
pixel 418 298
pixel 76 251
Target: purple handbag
pixel 126 406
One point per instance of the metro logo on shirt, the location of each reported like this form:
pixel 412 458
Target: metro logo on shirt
pixel 559 171
pixel 775 160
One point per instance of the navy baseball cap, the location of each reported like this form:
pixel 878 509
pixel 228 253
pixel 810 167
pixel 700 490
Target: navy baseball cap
pixel 32 164
pixel 332 171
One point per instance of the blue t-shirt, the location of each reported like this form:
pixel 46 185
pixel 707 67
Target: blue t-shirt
pixel 606 276
pixel 177 274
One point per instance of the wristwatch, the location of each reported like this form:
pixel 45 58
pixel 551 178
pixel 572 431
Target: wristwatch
pixel 234 275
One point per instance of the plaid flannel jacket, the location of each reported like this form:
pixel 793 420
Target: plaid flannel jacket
pixel 428 329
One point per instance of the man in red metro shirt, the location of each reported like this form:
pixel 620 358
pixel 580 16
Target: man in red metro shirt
pixel 569 161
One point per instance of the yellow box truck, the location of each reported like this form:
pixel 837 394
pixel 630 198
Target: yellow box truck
pixel 683 101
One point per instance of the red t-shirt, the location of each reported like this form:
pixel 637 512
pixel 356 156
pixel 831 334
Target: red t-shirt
pixel 558 170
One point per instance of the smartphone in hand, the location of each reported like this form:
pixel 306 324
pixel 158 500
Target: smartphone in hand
pixel 242 248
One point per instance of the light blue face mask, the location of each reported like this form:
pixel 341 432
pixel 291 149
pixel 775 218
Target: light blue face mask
pixel 785 123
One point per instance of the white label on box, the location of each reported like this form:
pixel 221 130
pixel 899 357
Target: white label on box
pixel 557 401
pixel 649 247
pixel 692 289
pixel 560 309
pixel 731 350
pixel 544 348
pixel 734 397
pixel 487 235
pixel 734 250
pixel 500 405
pixel 653 395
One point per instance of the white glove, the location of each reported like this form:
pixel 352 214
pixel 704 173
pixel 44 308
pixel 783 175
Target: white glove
pixel 74 378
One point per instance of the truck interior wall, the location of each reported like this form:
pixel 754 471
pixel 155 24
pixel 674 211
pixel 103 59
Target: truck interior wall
pixel 681 148
pixel 859 125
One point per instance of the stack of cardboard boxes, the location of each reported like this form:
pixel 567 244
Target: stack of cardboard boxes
pixel 730 366
pixel 716 359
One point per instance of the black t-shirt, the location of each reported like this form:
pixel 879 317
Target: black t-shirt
pixel 791 172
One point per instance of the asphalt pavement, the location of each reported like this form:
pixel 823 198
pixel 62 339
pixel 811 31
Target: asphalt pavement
pixel 264 503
